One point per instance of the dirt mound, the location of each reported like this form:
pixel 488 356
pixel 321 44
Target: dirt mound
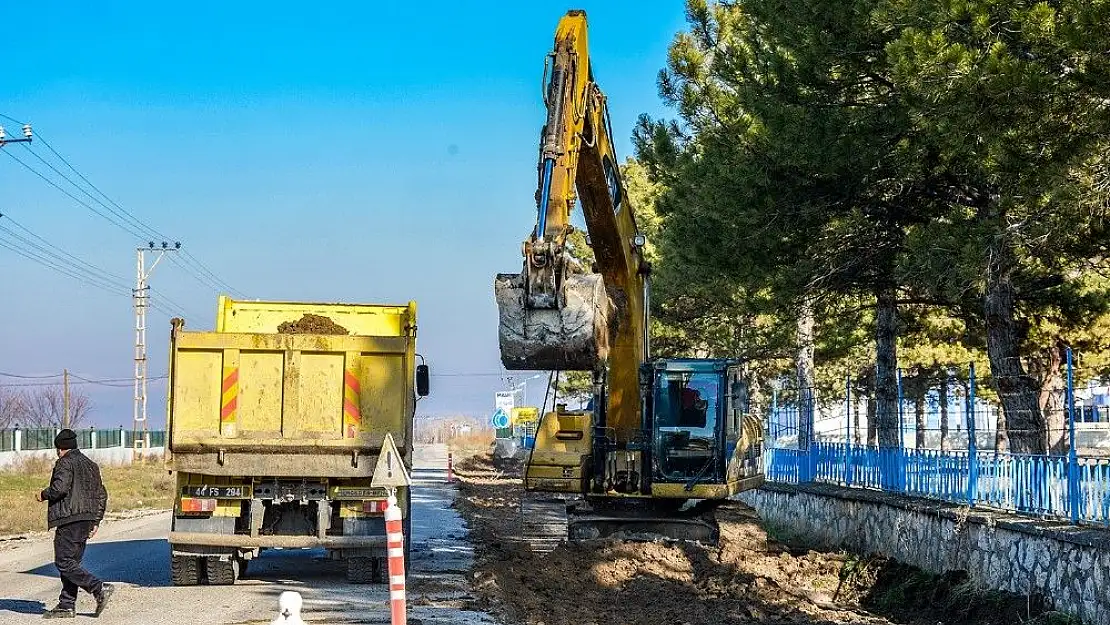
pixel 748 578
pixel 312 324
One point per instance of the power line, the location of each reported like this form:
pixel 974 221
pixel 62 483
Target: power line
pixel 120 217
pixel 52 257
pixel 93 272
pixel 73 197
pixel 121 383
pixel 29 377
pixel 15 223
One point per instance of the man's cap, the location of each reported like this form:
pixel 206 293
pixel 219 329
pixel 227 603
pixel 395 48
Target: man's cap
pixel 66 439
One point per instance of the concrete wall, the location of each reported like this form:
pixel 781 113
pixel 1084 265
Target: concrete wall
pixel 1069 566
pixel 111 455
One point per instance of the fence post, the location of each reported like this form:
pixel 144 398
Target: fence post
pixel 848 427
pixel 92 438
pixel 1073 459
pixel 972 456
pixel 122 437
pixel 901 436
pixel 17 444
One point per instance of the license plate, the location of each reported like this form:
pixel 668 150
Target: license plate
pixel 217 492
pixel 357 492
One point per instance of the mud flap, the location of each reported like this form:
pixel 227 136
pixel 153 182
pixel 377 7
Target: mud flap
pixel 572 337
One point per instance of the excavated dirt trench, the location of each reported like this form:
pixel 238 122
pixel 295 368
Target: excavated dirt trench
pixel 748 578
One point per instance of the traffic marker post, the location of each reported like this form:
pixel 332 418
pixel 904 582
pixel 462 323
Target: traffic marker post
pixel 390 473
pixel 395 541
pixel 450 469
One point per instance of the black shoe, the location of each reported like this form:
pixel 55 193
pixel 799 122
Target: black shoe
pixel 60 612
pixel 106 591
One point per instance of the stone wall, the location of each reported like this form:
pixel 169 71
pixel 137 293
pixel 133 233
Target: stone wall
pixel 1069 566
pixel 107 456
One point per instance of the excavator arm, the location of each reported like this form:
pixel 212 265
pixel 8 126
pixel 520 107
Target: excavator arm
pixel 555 315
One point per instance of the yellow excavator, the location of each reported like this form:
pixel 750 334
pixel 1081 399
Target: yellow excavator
pixel 663 441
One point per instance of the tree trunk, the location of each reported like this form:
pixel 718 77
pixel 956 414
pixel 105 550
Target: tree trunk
pixel 1001 435
pixel 942 393
pixel 855 421
pixel 886 384
pixel 1053 400
pixel 1016 389
pixel 919 419
pixel 805 370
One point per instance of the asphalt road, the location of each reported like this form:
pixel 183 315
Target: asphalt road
pixel 134 554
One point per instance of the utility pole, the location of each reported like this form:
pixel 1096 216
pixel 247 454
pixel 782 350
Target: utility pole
pixel 142 302
pixel 27 136
pixel 65 398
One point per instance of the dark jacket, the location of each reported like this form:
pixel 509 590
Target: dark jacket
pixel 76 492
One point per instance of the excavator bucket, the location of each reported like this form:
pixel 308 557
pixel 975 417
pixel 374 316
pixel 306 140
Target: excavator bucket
pixel 572 337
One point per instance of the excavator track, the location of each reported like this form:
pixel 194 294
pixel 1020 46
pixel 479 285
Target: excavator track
pixel 548 521
pixel 543 521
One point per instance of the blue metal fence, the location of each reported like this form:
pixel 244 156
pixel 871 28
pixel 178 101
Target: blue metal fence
pixel 1072 485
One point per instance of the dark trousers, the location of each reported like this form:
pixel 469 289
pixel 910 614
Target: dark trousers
pixel 69 547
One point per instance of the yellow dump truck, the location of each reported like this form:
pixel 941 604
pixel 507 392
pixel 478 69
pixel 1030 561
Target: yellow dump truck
pixel 276 422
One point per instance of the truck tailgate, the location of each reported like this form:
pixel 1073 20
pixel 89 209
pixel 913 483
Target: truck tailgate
pixel 288 393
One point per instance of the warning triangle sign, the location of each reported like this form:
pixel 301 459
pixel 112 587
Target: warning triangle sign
pixel 390 471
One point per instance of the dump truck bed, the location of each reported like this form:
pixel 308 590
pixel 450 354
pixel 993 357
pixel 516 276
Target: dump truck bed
pixel 248 400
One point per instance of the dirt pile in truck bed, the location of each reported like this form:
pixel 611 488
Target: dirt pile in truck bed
pixel 312 324
pixel 748 578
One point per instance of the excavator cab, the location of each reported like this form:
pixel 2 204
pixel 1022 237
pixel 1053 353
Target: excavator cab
pixel 703 441
pixel 688 437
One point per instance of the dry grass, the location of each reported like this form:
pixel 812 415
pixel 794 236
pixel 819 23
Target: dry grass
pixel 143 485
pixel 471 444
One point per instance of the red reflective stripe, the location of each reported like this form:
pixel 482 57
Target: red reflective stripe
pixel 229 408
pixel 352 382
pixel 230 380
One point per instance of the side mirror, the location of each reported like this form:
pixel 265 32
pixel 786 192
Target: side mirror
pixel 422 380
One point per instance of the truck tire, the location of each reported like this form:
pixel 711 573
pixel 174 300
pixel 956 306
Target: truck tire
pixel 184 570
pixel 366 570
pixel 223 572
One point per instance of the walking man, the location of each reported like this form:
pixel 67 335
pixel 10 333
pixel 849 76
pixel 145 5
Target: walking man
pixel 77 499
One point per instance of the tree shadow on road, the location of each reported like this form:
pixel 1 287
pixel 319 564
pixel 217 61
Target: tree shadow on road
pixel 125 561
pixel 20 606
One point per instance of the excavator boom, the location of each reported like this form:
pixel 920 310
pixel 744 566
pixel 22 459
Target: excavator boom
pixel 658 433
pixel 555 315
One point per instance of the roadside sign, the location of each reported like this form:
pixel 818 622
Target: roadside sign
pixel 500 419
pixel 390 471
pixel 505 401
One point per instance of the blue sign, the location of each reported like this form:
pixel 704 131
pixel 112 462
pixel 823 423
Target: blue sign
pixel 500 419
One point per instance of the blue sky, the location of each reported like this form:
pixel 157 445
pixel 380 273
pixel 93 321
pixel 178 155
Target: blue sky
pixel 361 152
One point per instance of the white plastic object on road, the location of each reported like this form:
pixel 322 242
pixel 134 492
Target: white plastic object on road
pixel 289 609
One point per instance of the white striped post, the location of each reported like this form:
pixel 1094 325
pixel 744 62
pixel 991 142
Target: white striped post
pixel 395 541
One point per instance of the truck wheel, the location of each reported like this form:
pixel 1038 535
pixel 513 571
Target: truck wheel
pixel 364 570
pixel 184 570
pixel 223 572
